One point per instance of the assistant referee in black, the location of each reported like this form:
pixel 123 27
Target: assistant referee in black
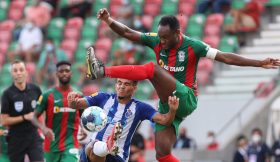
pixel 17 105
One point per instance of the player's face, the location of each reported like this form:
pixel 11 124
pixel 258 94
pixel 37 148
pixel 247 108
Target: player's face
pixel 168 37
pixel 125 88
pixel 64 74
pixel 19 73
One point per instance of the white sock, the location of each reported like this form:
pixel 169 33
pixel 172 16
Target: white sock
pixel 100 149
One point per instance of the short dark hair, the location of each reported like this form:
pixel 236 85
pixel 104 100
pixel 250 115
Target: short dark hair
pixel 135 82
pixel 257 130
pixel 63 63
pixel 17 62
pixel 171 21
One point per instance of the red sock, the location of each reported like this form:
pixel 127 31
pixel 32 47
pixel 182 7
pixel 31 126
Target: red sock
pixel 168 158
pixel 131 72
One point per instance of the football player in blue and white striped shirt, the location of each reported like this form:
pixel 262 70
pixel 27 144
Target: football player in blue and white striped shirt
pixel 124 114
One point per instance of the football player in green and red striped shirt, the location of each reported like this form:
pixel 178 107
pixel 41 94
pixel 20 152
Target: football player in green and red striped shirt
pixel 178 55
pixel 62 122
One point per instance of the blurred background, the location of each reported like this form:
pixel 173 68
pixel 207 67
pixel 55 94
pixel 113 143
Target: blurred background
pixel 233 101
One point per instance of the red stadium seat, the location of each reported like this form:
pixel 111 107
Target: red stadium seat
pixel 69 46
pixel 90 89
pixel 212 30
pixel 193 2
pixel 151 9
pixel 158 2
pixel 5 36
pixel 102 54
pixel 205 65
pixel 183 19
pixel 116 2
pixel 217 19
pixel 213 41
pixel 2 60
pixel 7 25
pixel 202 78
pixel 71 33
pixel 16 9
pixel 103 43
pixel 75 22
pixel 114 10
pixel 186 9
pixel 4 46
pixel 147 21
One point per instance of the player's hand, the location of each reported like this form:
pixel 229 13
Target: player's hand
pixel 72 98
pixel 49 133
pixel 103 14
pixel 270 63
pixel 173 103
pixel 29 116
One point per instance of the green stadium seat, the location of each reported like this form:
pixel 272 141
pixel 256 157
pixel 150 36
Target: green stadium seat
pixel 149 55
pixel 169 7
pixel 273 3
pixel 138 6
pixel 155 23
pixel 118 43
pixel 55 28
pixel 63 3
pixel 228 19
pixel 228 43
pixel 4 5
pixel 97 5
pixel 144 90
pixel 89 33
pixel 196 25
pixel 237 4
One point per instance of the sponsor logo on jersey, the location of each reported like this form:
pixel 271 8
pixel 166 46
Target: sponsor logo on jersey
pixel 161 54
pixel 63 109
pixel 181 55
pixel 18 106
pixel 151 34
pixel 94 94
pixel 33 104
pixel 40 99
pixel 171 68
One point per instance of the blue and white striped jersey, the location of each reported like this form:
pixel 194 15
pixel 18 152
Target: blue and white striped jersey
pixel 130 115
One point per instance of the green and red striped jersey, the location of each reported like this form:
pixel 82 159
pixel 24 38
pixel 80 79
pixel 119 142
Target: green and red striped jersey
pixel 63 120
pixel 180 61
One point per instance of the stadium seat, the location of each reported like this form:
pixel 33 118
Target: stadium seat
pixel 92 22
pixel 237 4
pixel 2 60
pixel 213 41
pixel 151 9
pixel 5 36
pixel 147 21
pixel 90 89
pixel 4 46
pixel 70 33
pixel 102 54
pixel 88 33
pixel 114 10
pixel 158 2
pixel 183 20
pixel 16 9
pixel 155 23
pixel 273 3
pixel 69 46
pixel 103 43
pixel 4 5
pixel 212 30
pixel 193 2
pixel 7 25
pixel 55 28
pixel 75 22
pixel 138 6
pixel 169 7
pixel 195 26
pixel 228 44
pixel 116 2
pixel 202 77
pixel 205 65
pixel 186 9
pixel 216 19
pixel 97 5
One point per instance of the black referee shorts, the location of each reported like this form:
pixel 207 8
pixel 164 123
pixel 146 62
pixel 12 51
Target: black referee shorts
pixel 20 146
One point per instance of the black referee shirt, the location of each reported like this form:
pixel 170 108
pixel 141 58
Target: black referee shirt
pixel 15 102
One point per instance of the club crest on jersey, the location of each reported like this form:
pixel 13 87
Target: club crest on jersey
pixel 18 106
pixel 181 56
pixel 128 114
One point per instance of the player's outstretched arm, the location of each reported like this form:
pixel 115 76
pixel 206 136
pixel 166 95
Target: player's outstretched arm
pixel 47 131
pixel 118 27
pixel 75 101
pixel 166 119
pixel 234 59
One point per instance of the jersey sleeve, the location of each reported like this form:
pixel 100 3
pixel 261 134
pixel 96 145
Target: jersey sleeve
pixel 150 39
pixel 200 48
pixel 42 103
pixel 5 104
pixel 96 99
pixel 147 111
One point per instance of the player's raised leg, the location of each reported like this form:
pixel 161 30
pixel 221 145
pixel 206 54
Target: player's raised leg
pixel 96 151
